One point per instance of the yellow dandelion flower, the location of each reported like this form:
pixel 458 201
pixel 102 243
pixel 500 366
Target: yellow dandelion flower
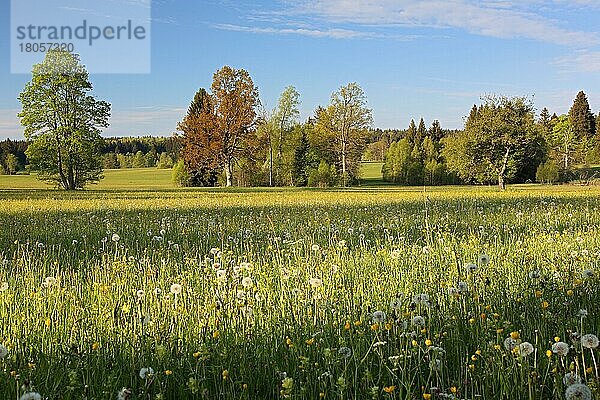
pixel 168 372
pixel 515 335
pixel 548 353
pixel 347 325
pixel 310 341
pixel 545 304
pixel 428 342
pixel 426 396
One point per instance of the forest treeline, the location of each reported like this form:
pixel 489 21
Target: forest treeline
pixel 228 138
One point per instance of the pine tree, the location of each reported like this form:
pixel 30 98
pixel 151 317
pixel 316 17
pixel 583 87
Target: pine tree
pixel 421 132
pixel 300 164
pixel 435 132
pixel 582 118
pixel 544 122
pixel 411 133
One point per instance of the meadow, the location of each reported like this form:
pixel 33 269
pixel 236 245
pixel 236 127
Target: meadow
pixel 136 290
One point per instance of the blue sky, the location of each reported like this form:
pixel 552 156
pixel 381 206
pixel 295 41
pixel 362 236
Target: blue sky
pixel 413 58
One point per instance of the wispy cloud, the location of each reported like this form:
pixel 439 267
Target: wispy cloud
pixel 502 19
pixel 10 126
pixel 327 33
pixel 581 61
pixel 158 120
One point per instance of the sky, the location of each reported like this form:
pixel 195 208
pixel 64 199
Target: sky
pixel 413 58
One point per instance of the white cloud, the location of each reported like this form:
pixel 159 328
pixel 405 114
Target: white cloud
pixel 330 33
pixel 581 61
pixel 502 19
pixel 10 127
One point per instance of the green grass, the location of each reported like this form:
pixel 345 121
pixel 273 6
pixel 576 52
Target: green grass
pixel 131 178
pixel 293 315
pixel 370 173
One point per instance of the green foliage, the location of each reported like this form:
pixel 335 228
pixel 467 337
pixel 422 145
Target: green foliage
pixel 109 161
pixel 63 122
pixel 548 172
pixel 165 161
pixel 12 164
pixel 499 139
pixel 324 176
pixel 180 175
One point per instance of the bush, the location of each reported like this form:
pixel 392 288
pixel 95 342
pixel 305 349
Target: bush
pixel 547 172
pixel 180 175
pixel 324 176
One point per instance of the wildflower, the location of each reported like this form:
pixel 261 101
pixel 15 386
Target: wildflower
pixel 315 247
pixel 31 396
pixel 124 394
pixel 586 274
pixel 395 304
pixel 140 294
pixel 221 275
pixel 578 391
pixel 421 299
pixel 95 346
pixel 115 238
pixel 49 281
pixel 395 254
pixel 225 374
pixel 3 286
pixel 483 259
pixel 389 389
pixel 315 282
pixel 525 349
pixel 168 372
pixel 534 274
pixel 378 317
pixel 157 291
pixel 176 288
pixel 146 373
pixel 571 378
pixel 510 343
pixel 426 396
pixel 379 344
pixel 345 352
pixel 515 335
pixel 418 321
pixel 582 313
pixel 545 304
pixel 560 348
pixel 3 351
pixel 247 282
pixel 589 341
pixel 471 267
pixel 463 287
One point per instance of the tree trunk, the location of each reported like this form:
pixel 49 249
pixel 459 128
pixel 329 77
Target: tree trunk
pixel 344 164
pixel 228 172
pixel 270 162
pixel 501 183
pixel 502 171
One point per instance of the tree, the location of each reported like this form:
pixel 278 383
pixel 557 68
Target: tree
pixel 421 133
pixel 301 163
pixel 563 141
pixel 435 132
pixel 345 122
pixel 110 161
pixel 198 102
pixel 12 164
pixel 63 122
pixel 584 125
pixel 545 123
pixel 284 116
pixel 235 102
pixel 495 140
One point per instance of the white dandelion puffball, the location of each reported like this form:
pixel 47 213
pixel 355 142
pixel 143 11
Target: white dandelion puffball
pixel 463 287
pixel 560 348
pixel 31 396
pixel 49 281
pixel 483 259
pixel 221 275
pixel 525 349
pixel 421 299
pixel 510 343
pixel 115 237
pixel 588 273
pixel 3 286
pixel 345 352
pixel 589 341
pixel 176 288
pixel 146 373
pixel 140 294
pixel 571 378
pixel 418 321
pixel 124 394
pixel 247 282
pixel 471 267
pixel 315 247
pixel 315 282
pixel 378 317
pixel 3 351
pixel 578 391
pixel 396 304
pixel 534 274
pixel 395 254
pixel 582 313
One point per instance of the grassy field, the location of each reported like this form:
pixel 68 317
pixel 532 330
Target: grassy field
pixel 138 290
